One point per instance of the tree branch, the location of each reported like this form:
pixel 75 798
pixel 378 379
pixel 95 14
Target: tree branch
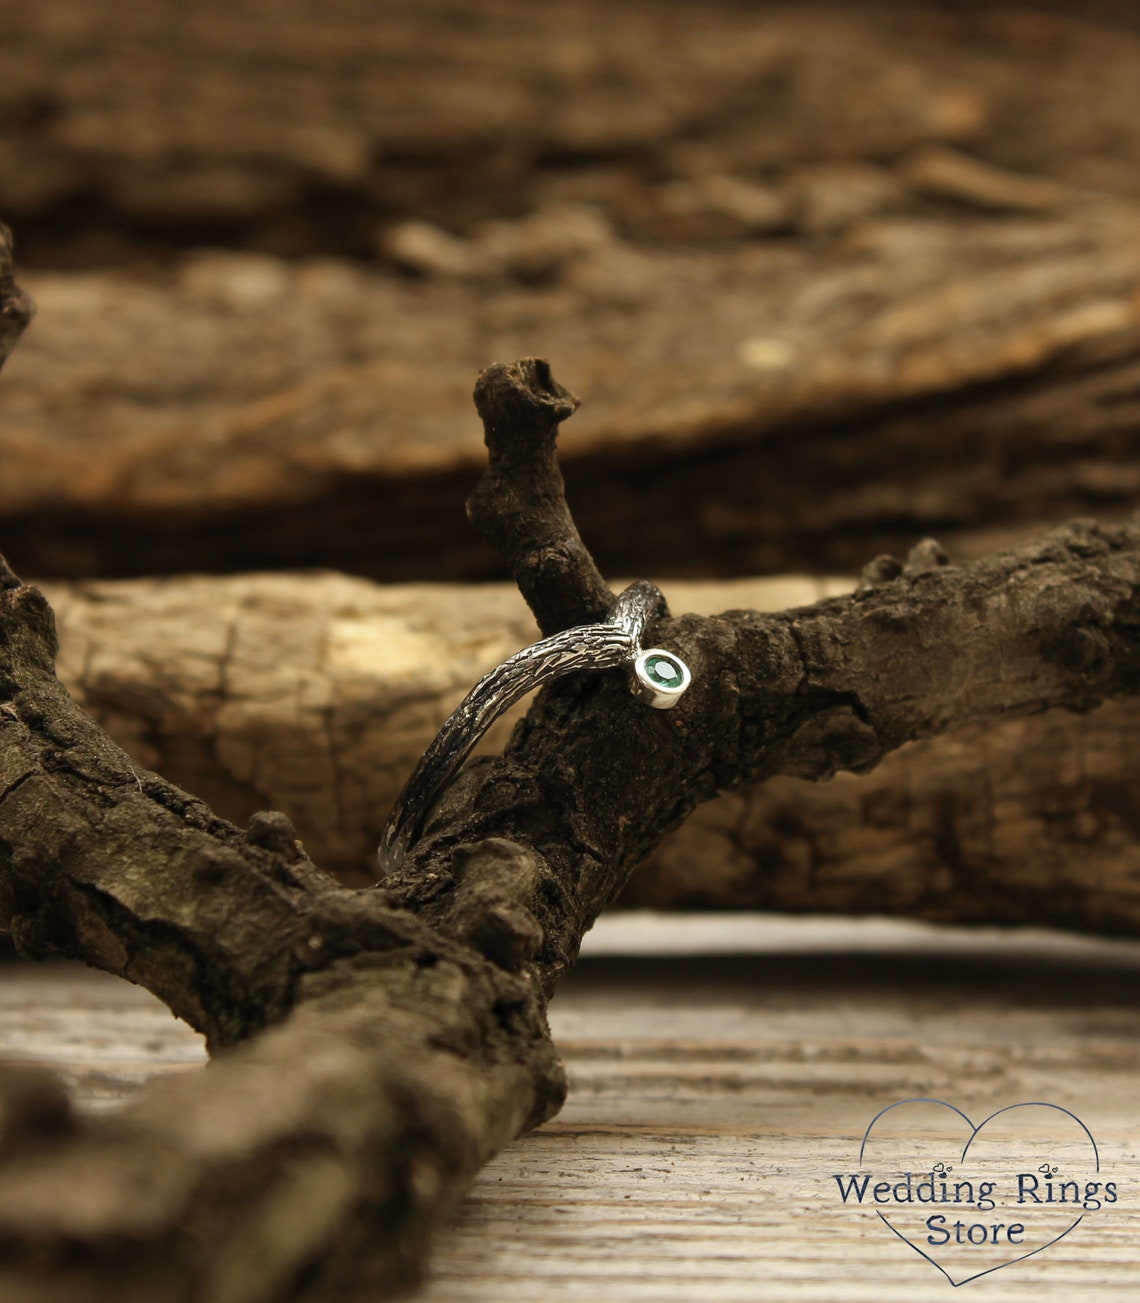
pixel 399 1057
pixel 389 1041
pixel 317 693
pixel 1020 821
pixel 519 506
pixel 592 785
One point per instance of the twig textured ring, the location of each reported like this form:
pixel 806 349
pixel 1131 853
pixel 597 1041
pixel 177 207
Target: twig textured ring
pixel 657 677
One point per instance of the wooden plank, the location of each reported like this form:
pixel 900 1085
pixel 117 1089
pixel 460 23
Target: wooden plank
pixel 713 1097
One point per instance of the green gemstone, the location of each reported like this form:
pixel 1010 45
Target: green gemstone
pixel 664 671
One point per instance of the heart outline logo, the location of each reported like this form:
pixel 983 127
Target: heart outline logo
pixel 975 1131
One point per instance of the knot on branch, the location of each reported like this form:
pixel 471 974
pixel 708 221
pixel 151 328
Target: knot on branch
pixel 274 831
pixel 496 881
pixel 509 393
pixel 927 554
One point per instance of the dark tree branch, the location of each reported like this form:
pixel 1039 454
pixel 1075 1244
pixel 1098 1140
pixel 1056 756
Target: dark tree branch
pixel 591 784
pixel 519 506
pixel 381 1045
pixel 400 1057
pixel 1020 819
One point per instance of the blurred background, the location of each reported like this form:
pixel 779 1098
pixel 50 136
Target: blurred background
pixel 828 279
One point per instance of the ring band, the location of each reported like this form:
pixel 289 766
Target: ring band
pixel 659 678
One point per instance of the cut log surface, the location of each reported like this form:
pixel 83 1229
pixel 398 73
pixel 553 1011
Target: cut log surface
pixel 316 694
pixel 828 281
pixel 696 1164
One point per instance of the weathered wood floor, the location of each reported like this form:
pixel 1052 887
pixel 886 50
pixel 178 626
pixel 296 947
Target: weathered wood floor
pixel 715 1094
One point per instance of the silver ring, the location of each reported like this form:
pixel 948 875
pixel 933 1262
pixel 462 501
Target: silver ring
pixel 657 677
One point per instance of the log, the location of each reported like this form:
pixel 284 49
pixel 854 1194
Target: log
pixel 918 378
pixel 305 126
pixel 811 336
pixel 1017 820
pixel 315 694
pixel 309 693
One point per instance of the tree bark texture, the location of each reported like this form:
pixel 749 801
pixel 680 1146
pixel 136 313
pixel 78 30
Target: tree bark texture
pixel 316 694
pixel 375 1046
pixel 833 279
pixel 310 693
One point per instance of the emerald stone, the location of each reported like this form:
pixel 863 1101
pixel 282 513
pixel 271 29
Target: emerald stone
pixel 664 671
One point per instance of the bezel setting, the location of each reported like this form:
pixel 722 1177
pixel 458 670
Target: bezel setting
pixel 652 684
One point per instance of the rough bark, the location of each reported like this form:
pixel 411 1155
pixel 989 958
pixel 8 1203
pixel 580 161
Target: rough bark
pixel 552 568
pixel 388 1041
pixel 374 1047
pixel 310 693
pixel 316 694
pixel 837 331
pixel 1024 821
